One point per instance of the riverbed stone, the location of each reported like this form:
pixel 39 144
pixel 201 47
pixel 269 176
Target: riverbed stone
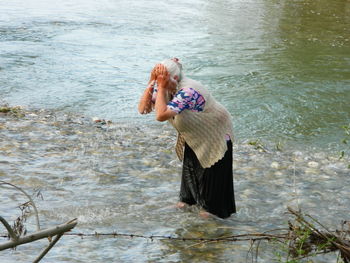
pixel 312 171
pixel 313 164
pixel 275 165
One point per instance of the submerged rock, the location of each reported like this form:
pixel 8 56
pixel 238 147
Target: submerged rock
pixel 313 164
pixel 275 165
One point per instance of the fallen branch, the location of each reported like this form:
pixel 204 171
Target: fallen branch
pixel 12 234
pixel 52 243
pixel 50 232
pixel 15 233
pixel 306 239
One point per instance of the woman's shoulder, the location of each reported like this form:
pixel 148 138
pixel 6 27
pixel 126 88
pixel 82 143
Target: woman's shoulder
pixel 188 83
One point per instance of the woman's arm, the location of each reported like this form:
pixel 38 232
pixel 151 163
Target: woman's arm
pixel 163 113
pixel 145 104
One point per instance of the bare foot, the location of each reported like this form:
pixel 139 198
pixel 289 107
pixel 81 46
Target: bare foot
pixel 181 205
pixel 205 214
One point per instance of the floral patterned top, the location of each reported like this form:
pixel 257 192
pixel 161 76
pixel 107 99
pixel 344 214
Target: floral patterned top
pixel 185 98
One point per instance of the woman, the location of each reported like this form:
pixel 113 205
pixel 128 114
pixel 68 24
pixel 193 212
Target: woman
pixel 204 137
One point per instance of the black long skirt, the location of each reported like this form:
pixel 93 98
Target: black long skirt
pixel 211 188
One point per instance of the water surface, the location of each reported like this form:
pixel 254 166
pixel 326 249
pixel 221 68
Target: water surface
pixel 281 69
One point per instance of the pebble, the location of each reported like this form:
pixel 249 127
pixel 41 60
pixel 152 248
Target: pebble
pixel 320 156
pixel 297 153
pixel 275 165
pixel 311 171
pixel 313 164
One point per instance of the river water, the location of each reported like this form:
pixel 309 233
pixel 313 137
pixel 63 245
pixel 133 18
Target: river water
pixel 281 68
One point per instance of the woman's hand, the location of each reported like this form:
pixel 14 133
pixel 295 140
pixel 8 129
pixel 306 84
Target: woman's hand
pixel 164 85
pixel 158 69
pixel 162 76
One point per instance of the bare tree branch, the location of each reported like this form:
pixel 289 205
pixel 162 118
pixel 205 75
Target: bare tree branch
pixel 9 229
pixel 50 232
pixel 52 243
pixel 30 199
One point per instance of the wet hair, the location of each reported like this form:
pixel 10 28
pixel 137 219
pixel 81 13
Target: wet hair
pixel 174 68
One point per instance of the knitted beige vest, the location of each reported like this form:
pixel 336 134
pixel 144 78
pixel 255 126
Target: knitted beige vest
pixel 203 131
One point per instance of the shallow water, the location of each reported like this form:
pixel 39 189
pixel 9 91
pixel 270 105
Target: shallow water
pixel 282 70
pixel 114 177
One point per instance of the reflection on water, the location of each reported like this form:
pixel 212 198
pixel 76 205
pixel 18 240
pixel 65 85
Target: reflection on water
pixel 284 71
pixel 309 45
pixel 125 178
